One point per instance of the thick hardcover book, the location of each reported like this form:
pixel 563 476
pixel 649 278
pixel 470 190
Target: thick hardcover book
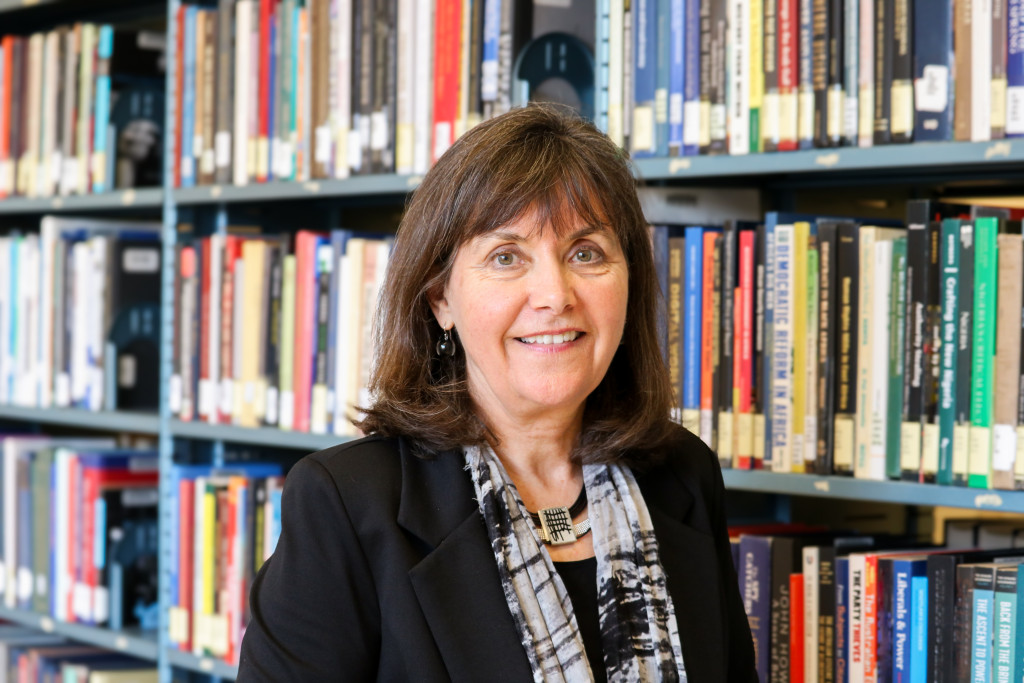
pixel 884 30
pixel 707 348
pixel 828 320
pixel 897 315
pixel 981 102
pixel 786 552
pixel 934 67
pixel 1007 360
pixel 781 420
pixel 848 258
pixel 949 264
pixel 917 346
pixel 675 300
pixel 821 69
pixel 997 109
pixel 866 74
pixel 901 120
pixel 755 586
pixel 770 103
pixel 223 151
pixel 728 263
pixel 692 78
pixel 448 23
pixel 662 75
pixel 738 76
pixel 715 357
pixel 676 56
pixel 1014 73
pixel 717 93
pixel 743 355
pixel 983 352
pixel 965 344
pixel 758 380
pixel 645 69
pixel 805 79
pixel 788 68
pixel 692 324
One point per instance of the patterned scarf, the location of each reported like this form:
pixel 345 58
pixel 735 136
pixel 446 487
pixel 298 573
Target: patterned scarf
pixel 639 633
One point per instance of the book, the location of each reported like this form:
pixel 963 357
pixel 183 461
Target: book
pixel 983 352
pixel 1007 359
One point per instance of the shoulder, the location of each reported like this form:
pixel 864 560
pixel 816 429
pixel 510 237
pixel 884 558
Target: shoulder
pixel 686 458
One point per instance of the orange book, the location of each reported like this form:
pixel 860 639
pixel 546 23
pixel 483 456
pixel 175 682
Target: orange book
pixel 870 650
pixel 186 556
pixel 447 43
pixel 796 627
pixel 707 329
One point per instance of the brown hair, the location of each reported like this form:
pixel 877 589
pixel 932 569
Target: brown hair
pixel 541 159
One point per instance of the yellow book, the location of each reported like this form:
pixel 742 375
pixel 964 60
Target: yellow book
pixel 124 676
pixel 801 233
pixel 286 408
pixel 756 72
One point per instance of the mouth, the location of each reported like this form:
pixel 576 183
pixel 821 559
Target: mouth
pixel 552 339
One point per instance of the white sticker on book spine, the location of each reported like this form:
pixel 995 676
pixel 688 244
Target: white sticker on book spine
pixel 141 260
pixel 1015 110
pixel 287 409
pixel 222 143
pixel 206 401
pixel 1004 451
pixel 272 405
pixel 322 152
pixel 378 131
pixel 227 396
pixel 174 394
pixel 691 123
pixel 931 91
pixel 24 583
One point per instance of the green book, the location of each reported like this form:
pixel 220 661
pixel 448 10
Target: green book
pixel 983 352
pixel 949 295
pixel 897 318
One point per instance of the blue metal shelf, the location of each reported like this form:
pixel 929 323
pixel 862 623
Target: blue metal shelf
pixel 848 488
pixel 313 189
pixel 143 198
pixel 204 665
pixel 134 642
pixel 258 436
pixel 119 421
pixel 917 157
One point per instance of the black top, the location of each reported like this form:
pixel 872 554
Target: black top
pixel 580 579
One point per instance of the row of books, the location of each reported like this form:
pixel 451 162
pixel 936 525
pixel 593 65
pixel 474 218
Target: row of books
pixel 743 76
pixel 823 607
pixel 293 89
pixel 80 315
pixel 81 110
pixel 814 344
pixel 271 335
pixel 28 656
pixel 227 522
pixel 79 530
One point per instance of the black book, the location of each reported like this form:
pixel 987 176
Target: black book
pixel 964 345
pixel 272 341
pixel 385 79
pixel 916 341
pixel 828 320
pixel 847 275
pixel 820 69
pixel 125 508
pixel 676 304
pixel 901 123
pixel 718 69
pixel 771 76
pixel 883 69
pixel 366 15
pixel 728 268
pixel 933 368
pixel 705 72
pixel 759 291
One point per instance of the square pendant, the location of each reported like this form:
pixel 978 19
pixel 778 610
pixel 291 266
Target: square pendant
pixel 556 526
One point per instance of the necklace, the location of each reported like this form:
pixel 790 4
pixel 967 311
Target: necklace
pixel 555 524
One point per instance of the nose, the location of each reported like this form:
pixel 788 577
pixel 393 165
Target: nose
pixel 552 286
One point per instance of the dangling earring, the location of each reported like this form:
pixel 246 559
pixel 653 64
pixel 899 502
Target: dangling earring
pixel 445 344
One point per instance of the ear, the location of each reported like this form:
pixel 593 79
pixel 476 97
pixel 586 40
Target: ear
pixel 439 305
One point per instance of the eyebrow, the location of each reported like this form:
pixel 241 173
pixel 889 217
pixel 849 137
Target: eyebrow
pixel 509 236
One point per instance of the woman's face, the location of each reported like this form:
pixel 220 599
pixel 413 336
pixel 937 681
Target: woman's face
pixel 538 316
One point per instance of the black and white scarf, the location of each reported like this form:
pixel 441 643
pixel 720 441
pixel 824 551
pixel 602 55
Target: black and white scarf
pixel 639 632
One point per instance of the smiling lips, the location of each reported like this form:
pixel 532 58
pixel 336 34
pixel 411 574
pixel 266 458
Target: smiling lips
pixel 551 339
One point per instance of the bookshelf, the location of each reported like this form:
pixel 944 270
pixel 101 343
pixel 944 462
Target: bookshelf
pixel 928 162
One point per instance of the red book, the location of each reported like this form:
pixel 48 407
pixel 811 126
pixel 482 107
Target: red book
pixel 186 555
pixel 707 329
pixel 232 252
pixel 447 43
pixel 306 242
pixel 796 627
pixel 6 66
pixel 743 356
pixel 787 66
pixel 179 88
pixel 263 116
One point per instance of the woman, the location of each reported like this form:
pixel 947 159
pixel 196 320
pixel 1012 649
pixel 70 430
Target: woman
pixel 518 372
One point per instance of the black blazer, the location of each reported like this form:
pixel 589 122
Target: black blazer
pixel 384 571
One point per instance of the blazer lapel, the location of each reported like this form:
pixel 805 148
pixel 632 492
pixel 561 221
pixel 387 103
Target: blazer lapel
pixel 457 582
pixel 688 557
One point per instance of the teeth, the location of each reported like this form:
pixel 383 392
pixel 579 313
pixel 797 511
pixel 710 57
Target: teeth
pixel 551 338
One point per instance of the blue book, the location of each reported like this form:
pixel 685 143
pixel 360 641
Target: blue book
pixel 1004 623
pixel 1014 72
pixel 691 78
pixel 692 292
pixel 842 644
pixel 981 623
pixel 275 517
pixel 1018 660
pixel 662 76
pixel 645 77
pixel 919 629
pixel 188 161
pixel 104 51
pixel 677 77
pixel 756 590
pixel 933 69
pixel 905 613
pixel 489 63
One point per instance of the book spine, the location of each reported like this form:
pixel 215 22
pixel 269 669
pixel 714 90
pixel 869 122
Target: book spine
pixel 963 78
pixel 783 563
pixel 897 316
pixel 821 69
pixel 997 112
pixel 981 623
pixel 879 378
pixel 855 636
pixel 866 74
pixel 642 138
pixel 811 608
pixel 981 70
pixel 915 342
pixel 796 627
pixel 692 70
pixel 851 74
pixel 770 112
pixel 755 9
pixel 848 257
pixel 226 46
pixel 933 332
pixel 707 348
pixel 1007 359
pixel 805 76
pixel 902 610
pixel 738 77
pixel 677 78
pixel 446 83
pixel 728 242
pixel 965 345
pixel 901 97
pixel 188 162
pixel 835 99
pixel 826 339
pixel 662 75
pixel 1006 648
pixel 1014 73
pixel 982 352
pixel 788 65
pixel 883 64
pixel 768 334
pixel 865 322
pixel 782 348
pixel 675 300
pixel 842 631
pixel 826 615
pixel 715 335
pixel 744 356
pixel 798 365
pixel 692 329
pixel 950 283
pixel 718 111
pixel 1018 661
pixel 759 360
pixel 207 158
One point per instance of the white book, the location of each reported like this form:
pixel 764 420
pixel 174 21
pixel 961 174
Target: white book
pixel 615 57
pixel 6 304
pixel 866 123
pixel 79 323
pixel 30 157
pixel 782 350
pixel 238 335
pixel 737 47
pixel 200 558
pixel 31 345
pixel 879 391
pixel 812 579
pixel 45 177
pixel 405 90
pixel 423 94
pixel 855 625
pixel 342 114
pixel 96 338
pixel 244 11
pixel 981 70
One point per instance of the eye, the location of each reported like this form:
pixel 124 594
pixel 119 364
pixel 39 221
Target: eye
pixel 505 258
pixel 585 255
